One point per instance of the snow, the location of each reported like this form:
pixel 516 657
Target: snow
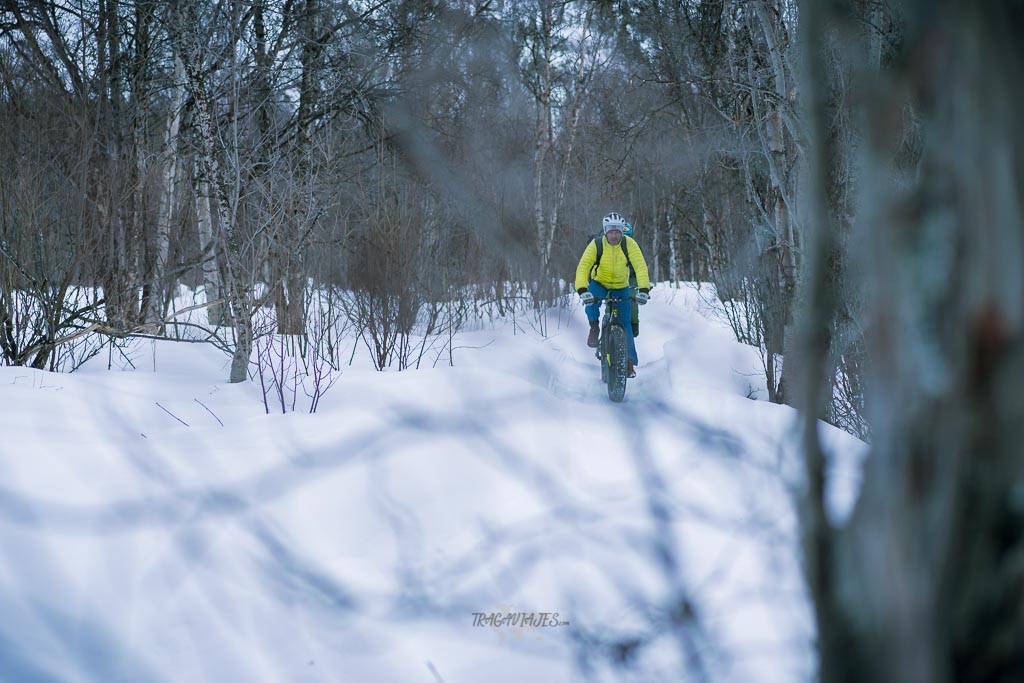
pixel 144 540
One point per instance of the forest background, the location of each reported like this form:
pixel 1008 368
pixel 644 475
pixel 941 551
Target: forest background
pixel 847 173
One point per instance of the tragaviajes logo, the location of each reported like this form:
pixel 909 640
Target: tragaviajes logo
pixel 507 619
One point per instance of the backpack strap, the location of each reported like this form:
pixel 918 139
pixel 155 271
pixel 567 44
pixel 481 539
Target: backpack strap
pixel 625 250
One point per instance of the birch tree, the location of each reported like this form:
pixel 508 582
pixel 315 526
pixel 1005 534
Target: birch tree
pixel 186 30
pixel 558 70
pixel 170 161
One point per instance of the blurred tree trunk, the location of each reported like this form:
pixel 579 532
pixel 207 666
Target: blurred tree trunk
pixel 925 582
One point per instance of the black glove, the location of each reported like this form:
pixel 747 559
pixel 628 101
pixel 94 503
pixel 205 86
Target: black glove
pixel 642 297
pixel 581 290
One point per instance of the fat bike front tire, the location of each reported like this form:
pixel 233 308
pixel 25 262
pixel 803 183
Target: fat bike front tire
pixel 615 363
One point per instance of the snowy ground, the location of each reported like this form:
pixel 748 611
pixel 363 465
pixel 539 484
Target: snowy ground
pixel 357 543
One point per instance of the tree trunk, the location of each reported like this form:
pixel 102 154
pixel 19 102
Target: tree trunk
pixel 925 583
pixel 286 254
pixel 543 134
pixel 154 304
pixel 673 259
pixel 215 313
pixel 237 282
pixel 579 93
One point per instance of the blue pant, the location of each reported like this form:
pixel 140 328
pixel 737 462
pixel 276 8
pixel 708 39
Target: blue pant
pixel 594 312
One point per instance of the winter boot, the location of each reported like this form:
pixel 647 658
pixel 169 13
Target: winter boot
pixel 630 370
pixel 594 333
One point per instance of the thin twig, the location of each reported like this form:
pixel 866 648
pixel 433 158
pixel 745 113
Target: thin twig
pixel 433 670
pixel 208 410
pixel 173 415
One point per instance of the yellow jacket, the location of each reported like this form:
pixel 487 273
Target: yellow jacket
pixel 613 271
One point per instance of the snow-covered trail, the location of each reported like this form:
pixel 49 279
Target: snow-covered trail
pixel 159 526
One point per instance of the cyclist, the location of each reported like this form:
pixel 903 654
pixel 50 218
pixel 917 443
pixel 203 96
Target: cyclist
pixel 603 269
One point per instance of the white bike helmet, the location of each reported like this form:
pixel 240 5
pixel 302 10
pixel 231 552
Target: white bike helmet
pixel 612 221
